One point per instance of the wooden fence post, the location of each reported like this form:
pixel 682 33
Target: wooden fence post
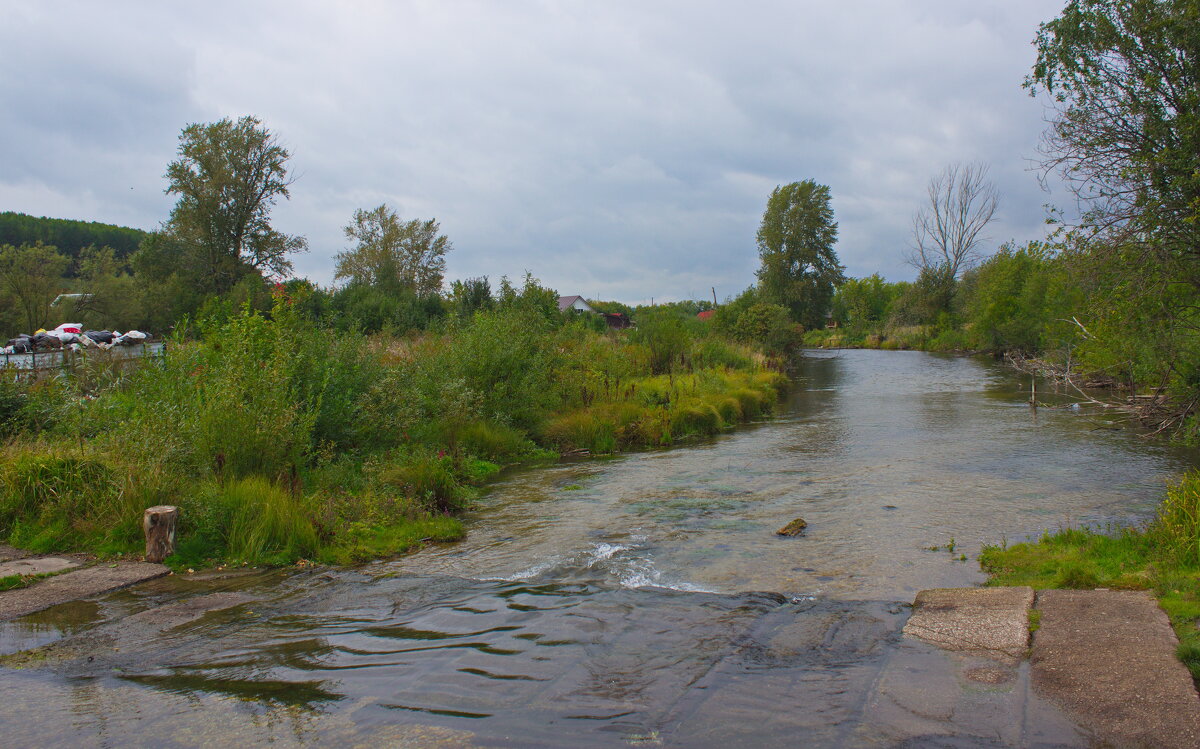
pixel 159 524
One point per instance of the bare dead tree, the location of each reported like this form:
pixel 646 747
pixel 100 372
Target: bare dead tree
pixel 948 230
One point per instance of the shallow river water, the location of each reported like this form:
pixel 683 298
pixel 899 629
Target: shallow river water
pixel 638 600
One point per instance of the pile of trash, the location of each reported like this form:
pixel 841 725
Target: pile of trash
pixel 73 337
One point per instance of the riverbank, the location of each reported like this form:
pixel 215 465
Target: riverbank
pixel 280 443
pixel 1162 557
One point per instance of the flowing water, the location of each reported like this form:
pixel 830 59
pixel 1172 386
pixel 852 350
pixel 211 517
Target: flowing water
pixel 643 599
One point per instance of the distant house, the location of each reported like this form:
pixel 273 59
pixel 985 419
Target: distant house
pixel 577 303
pixel 707 314
pixel 617 320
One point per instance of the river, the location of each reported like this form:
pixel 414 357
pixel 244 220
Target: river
pixel 637 600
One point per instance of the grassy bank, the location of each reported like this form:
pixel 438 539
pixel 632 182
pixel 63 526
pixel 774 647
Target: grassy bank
pixel 1163 557
pixel 903 338
pixel 281 442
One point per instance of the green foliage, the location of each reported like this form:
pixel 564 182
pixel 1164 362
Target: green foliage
pixel 265 523
pixel 1020 299
pixel 228 177
pixel 532 297
pixel 1125 83
pixel 863 302
pixel 767 325
pixel 795 244
pixel 495 442
pixel 921 302
pixel 470 296
pixel 51 501
pixel 361 308
pixel 429 481
pixel 1163 557
pixel 361 542
pixel 69 236
pixel 715 353
pixel 503 363
pixel 664 336
pixel 31 276
pixel 282 438
pixel 394 255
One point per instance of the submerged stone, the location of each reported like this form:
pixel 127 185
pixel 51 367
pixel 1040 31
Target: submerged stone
pixel 794 528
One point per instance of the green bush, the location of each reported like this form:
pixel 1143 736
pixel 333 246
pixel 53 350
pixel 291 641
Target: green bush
pixel 1176 528
pixel 693 419
pixel 495 442
pixel 40 490
pixel 428 481
pixel 582 430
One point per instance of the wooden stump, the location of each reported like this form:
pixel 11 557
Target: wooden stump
pixel 159 524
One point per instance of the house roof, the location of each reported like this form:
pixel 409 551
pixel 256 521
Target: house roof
pixel 565 303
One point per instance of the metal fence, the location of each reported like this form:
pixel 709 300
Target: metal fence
pixel 66 358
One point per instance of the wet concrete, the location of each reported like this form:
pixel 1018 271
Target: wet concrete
pixel 337 656
pixel 987 622
pixel 1108 657
pixel 81 583
pixel 38 566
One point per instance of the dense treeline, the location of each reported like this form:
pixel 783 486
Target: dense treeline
pixel 1077 308
pixel 1116 295
pixel 68 236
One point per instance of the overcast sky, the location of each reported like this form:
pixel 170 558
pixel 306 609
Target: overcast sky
pixel 620 150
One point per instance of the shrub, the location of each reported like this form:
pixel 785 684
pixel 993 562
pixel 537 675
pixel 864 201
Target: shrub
pixel 1176 529
pixel 584 429
pixel 428 481
pixel 694 419
pixel 495 442
pixel 70 493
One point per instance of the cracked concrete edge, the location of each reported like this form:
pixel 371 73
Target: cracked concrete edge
pixel 76 584
pixel 990 622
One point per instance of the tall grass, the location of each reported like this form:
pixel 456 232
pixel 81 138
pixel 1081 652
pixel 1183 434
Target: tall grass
pixel 280 442
pixel 1175 531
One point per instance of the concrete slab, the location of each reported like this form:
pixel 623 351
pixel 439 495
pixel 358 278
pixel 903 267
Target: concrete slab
pixel 989 622
pixel 186 611
pixel 1108 658
pixel 84 583
pixel 38 566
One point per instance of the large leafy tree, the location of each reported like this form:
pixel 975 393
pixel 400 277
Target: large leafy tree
pixel 31 276
pixel 799 267
pixel 392 254
pixel 228 176
pixel 1124 76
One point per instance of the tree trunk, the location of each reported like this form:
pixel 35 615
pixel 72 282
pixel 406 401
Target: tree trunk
pixel 159 524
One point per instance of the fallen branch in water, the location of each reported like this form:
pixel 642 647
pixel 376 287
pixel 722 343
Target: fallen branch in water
pixel 1154 410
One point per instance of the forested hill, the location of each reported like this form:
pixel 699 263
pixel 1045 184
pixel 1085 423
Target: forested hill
pixel 67 235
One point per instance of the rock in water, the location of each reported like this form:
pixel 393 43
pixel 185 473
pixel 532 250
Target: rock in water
pixel 794 528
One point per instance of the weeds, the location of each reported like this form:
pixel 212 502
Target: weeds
pixel 279 445
pixel 1162 558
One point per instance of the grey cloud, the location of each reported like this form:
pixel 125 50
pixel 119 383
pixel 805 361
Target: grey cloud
pixel 620 149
